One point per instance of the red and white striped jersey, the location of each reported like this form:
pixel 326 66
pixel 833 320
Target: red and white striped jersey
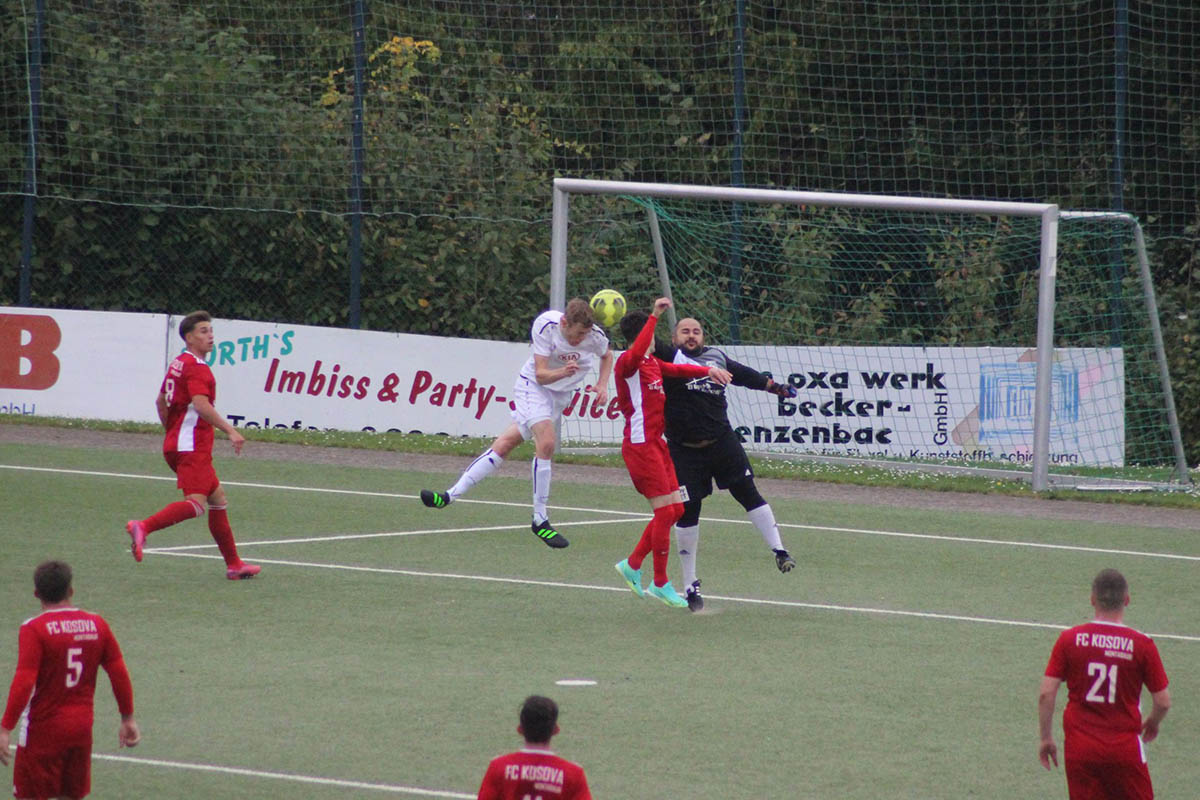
pixel 188 376
pixel 640 393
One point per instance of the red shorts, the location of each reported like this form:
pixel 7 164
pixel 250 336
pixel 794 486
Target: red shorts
pixel 53 772
pixel 650 467
pixel 1100 780
pixel 194 471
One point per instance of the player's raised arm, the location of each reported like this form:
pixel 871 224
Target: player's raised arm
pixel 780 389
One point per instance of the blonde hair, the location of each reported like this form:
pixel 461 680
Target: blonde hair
pixel 578 313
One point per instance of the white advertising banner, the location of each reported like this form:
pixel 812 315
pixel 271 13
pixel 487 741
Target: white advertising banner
pixel 298 376
pixel 86 364
pixel 110 366
pixel 946 403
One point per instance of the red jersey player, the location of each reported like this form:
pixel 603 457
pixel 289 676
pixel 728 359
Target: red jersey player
pixel 640 395
pixel 58 656
pixel 185 406
pixel 535 771
pixel 1105 665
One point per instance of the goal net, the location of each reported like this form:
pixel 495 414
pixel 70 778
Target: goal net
pixel 980 334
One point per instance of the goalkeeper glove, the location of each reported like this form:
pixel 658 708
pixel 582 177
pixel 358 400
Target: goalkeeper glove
pixel 781 389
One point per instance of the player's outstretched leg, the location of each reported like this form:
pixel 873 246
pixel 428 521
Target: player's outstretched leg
pixel 487 463
pixel 171 514
pixel 545 531
pixel 433 499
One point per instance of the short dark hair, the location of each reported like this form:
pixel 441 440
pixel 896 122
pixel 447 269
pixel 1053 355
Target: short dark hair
pixel 1110 589
pixel 632 324
pixel 539 715
pixel 52 581
pixel 191 321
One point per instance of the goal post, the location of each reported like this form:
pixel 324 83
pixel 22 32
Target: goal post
pixel 868 283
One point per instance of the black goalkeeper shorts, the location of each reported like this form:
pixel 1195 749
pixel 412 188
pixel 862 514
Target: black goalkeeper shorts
pixel 697 467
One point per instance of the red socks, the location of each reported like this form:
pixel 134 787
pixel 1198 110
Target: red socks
pixel 173 514
pixel 222 534
pixel 656 538
pixel 218 525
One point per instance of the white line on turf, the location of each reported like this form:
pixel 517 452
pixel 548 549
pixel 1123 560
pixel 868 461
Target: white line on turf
pixel 864 531
pixel 316 489
pixel 748 600
pixel 88 472
pixel 286 776
pixel 977 540
pixel 643 515
pixel 383 535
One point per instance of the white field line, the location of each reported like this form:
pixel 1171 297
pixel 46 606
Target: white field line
pixel 642 515
pixel 383 535
pixel 316 489
pixel 286 776
pixel 748 600
pixel 978 540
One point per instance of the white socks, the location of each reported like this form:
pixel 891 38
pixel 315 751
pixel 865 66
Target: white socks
pixel 480 468
pixel 541 489
pixel 764 519
pixel 688 541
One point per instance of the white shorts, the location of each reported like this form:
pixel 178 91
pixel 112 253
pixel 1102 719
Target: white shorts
pixel 535 403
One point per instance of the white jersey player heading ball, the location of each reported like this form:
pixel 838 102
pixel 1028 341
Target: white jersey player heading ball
pixel 564 347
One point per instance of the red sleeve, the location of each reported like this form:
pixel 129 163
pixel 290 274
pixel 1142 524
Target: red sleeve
pixel 673 370
pixel 1057 668
pixel 118 674
pixel 1156 676
pixel 122 686
pixel 490 788
pixel 625 365
pixel 29 656
pixel 640 345
pixel 583 792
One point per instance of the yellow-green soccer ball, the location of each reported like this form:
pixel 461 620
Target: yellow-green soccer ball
pixel 608 306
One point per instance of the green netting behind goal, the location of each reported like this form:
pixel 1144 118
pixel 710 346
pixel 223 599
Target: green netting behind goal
pixel 908 335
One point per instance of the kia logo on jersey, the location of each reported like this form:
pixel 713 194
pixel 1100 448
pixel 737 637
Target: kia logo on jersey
pixel 27 345
pixel 568 357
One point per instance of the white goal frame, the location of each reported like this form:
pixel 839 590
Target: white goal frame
pixel 1048 213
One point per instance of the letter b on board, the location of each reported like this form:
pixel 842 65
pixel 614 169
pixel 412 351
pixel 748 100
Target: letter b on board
pixel 27 345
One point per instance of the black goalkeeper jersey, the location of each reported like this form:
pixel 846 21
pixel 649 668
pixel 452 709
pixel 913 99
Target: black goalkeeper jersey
pixel 696 409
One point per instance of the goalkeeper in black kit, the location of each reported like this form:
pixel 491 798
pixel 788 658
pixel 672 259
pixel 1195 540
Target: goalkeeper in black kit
pixel 704 447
